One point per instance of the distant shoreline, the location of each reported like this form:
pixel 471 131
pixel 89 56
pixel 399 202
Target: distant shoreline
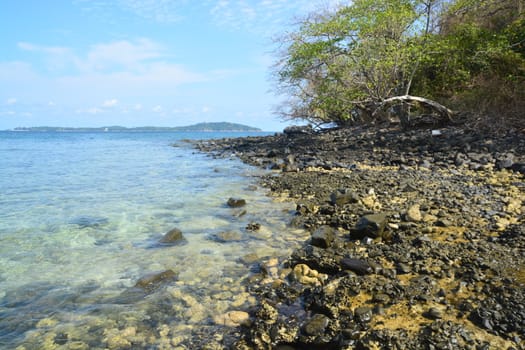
pixel 200 127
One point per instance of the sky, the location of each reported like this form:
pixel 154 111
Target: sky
pixel 92 63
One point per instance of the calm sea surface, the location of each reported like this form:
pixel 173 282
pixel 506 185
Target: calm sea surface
pixel 80 218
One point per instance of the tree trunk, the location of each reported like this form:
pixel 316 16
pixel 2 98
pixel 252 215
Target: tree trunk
pixel 442 110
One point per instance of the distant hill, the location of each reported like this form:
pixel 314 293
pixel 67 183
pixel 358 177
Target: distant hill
pixel 211 127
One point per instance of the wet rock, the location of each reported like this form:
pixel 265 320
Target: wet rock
pixel 249 259
pixel 371 225
pixel 89 221
pixel 359 266
pixel 253 226
pixel 236 202
pixel 232 319
pixel 316 325
pixel 267 313
pixel 154 280
pixel 172 237
pixel 228 236
pixel 323 237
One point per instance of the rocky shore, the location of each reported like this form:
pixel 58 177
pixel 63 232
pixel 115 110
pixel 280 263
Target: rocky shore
pixel 417 240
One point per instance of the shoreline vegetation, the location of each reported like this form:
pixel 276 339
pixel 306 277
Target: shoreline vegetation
pixel 199 127
pixel 417 239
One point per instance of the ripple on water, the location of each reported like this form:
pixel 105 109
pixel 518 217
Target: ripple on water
pixel 74 248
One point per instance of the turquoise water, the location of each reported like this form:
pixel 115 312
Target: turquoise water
pixel 80 218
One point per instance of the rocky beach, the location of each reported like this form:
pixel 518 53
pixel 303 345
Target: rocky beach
pixel 417 240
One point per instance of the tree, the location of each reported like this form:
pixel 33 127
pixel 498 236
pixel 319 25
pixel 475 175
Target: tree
pixel 356 63
pixel 478 60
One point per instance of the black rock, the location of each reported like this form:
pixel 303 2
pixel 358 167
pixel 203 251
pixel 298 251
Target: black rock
pixel 154 280
pixel 363 314
pixel 298 130
pixel 505 162
pixel 316 325
pixel 236 202
pixel 323 237
pixel 342 197
pixel 228 236
pixel 173 236
pixel 371 225
pixel 359 266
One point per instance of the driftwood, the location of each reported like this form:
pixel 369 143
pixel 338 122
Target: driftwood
pixel 439 108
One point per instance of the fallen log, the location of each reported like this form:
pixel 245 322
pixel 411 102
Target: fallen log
pixel 439 108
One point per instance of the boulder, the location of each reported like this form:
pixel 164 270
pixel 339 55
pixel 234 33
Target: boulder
pixel 363 314
pixel 236 202
pixel 298 130
pixel 154 280
pixel 413 213
pixel 371 225
pixel 232 319
pixel 323 237
pixel 173 236
pixel 359 266
pixel 505 161
pixel 303 274
pixel 228 236
pixel 316 325
pixel 342 197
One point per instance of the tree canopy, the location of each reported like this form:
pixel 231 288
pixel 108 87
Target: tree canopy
pixel 373 59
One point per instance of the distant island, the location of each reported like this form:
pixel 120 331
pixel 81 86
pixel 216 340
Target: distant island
pixel 200 127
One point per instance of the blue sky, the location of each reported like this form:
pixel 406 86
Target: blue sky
pixel 141 62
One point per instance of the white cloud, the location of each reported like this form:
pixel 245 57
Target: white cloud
pixel 140 67
pixel 162 11
pixel 205 109
pixel 255 15
pixel 122 54
pixel 263 16
pixel 110 103
pixel 52 50
pixel 157 109
pixel 91 110
pixel 137 107
pixel 11 101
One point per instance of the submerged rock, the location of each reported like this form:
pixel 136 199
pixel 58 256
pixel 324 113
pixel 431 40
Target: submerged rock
pixel 228 236
pixel 236 202
pixel 154 280
pixel 173 237
pixel 232 319
pixel 89 221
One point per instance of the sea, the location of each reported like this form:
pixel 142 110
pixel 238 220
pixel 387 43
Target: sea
pixel 81 217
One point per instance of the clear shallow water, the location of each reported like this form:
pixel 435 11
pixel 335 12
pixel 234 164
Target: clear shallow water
pixel 80 218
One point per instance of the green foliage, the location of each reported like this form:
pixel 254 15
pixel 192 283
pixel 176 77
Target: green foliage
pixel 477 62
pixel 336 64
pixel 340 65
